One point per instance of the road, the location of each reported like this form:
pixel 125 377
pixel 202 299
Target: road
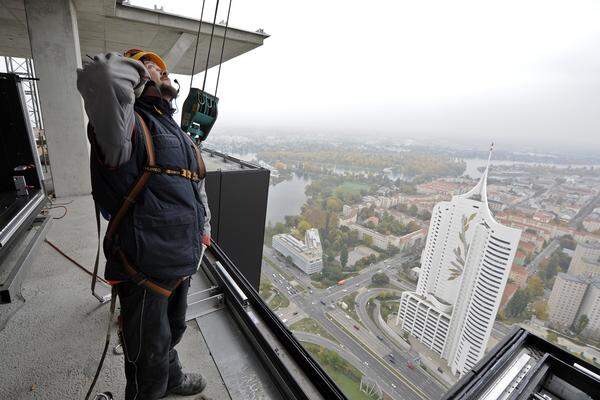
pixel 392 382
pixel 533 266
pixel 401 357
pixel 342 351
pixel 585 211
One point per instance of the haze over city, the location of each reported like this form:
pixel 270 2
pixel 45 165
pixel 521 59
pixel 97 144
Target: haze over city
pixel 525 73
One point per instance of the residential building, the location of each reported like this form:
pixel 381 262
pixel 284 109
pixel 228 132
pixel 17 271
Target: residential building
pixel 591 223
pixel 464 269
pixel 590 307
pixel 412 239
pixel 347 210
pixel 374 220
pixel 307 255
pixel 543 216
pixel 565 299
pixel 518 275
pixel 527 248
pixel 520 258
pixel 572 298
pixel 586 260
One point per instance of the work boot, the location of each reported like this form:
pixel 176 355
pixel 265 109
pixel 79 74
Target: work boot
pixel 191 384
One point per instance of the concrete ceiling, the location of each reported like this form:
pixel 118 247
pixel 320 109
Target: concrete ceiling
pixel 108 25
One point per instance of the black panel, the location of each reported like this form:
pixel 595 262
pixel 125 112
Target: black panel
pixel 15 145
pixel 238 205
pixel 18 157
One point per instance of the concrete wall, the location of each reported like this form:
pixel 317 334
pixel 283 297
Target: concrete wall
pixel 52 26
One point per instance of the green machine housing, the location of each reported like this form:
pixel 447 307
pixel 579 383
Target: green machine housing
pixel 199 113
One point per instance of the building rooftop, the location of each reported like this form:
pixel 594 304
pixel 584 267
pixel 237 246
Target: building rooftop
pixel 572 278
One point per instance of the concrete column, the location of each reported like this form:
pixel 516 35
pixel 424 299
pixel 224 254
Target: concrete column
pixel 52 26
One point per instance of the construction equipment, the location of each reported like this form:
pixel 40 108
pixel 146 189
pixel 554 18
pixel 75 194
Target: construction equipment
pixel 200 109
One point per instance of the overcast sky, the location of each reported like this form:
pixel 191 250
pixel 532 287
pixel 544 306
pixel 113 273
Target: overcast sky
pixel 514 71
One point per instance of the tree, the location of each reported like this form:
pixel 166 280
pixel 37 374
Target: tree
pixel 334 204
pixel 540 309
pixel 368 240
pixel 551 336
pixel 567 242
pixel 580 325
pixel 535 286
pixel 380 279
pixel 344 257
pixel 425 215
pixel 518 303
pixel 413 210
pixel 303 226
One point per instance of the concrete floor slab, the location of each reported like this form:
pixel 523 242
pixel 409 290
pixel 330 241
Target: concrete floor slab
pixel 51 338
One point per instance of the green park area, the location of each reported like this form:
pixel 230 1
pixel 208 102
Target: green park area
pixel 309 325
pixel 265 289
pixel 279 301
pixel 341 371
pixel 350 302
pixel 352 188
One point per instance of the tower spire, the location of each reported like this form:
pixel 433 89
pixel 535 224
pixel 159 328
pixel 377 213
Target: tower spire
pixel 489 160
pixel 483 182
pixel 481 188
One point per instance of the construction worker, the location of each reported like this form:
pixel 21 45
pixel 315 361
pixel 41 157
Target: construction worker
pixel 148 180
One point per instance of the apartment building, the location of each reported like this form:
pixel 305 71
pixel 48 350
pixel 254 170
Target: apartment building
pixel 307 255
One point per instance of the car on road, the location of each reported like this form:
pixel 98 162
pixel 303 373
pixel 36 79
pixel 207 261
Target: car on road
pixel 295 313
pixel 366 363
pixel 380 338
pixel 394 386
pixel 322 302
pixel 356 327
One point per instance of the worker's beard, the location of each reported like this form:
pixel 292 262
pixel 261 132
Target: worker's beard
pixel 168 91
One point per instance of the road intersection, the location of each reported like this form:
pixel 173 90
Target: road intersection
pixel 308 298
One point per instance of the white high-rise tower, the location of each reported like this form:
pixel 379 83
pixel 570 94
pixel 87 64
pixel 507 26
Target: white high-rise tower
pixel 464 268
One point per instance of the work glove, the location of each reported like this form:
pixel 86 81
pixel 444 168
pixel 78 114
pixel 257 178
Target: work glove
pixel 206 240
pixel 127 76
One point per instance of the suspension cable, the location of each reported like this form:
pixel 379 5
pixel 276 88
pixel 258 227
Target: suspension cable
pixel 223 48
pixel 197 40
pixel 212 33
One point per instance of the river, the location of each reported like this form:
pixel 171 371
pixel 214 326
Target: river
pixel 286 198
pixel 474 163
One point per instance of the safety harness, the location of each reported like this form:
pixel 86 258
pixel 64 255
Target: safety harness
pixel 151 168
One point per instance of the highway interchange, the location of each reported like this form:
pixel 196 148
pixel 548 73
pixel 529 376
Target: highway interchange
pixel 395 378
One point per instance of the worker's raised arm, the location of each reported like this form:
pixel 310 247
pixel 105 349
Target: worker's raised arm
pixel 109 85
